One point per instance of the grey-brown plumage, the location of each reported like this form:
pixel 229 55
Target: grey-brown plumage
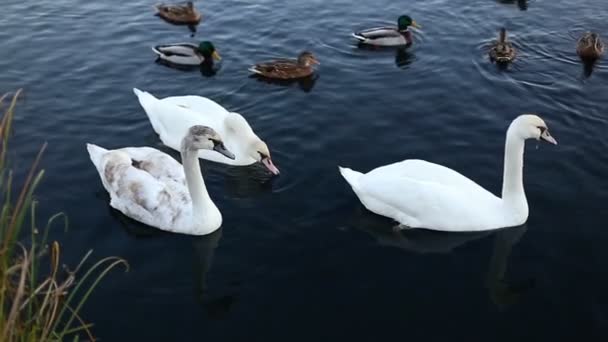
pixel 590 46
pixel 179 13
pixel 287 68
pixel 502 51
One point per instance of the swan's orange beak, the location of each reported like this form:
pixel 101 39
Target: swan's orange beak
pixel 270 166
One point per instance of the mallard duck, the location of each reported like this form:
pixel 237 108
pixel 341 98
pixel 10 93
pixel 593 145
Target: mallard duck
pixel 502 51
pixel 590 46
pixel 179 13
pixel 286 69
pixel 186 53
pixel 389 36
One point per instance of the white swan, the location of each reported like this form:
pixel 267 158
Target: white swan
pixel 151 187
pixel 419 194
pixel 172 116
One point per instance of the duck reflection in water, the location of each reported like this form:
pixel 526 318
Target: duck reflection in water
pixel 588 66
pixel 522 4
pixel 502 292
pixel 305 83
pixel 403 58
pixel 207 68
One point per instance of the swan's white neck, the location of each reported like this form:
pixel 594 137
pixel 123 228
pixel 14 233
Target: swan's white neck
pixel 512 183
pixel 239 136
pixel 202 205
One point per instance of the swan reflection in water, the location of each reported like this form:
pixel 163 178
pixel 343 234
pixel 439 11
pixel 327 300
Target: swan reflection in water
pixel 248 180
pixel 204 247
pixel 502 292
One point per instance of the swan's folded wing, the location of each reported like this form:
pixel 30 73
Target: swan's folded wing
pixel 173 116
pixel 427 204
pixel 140 195
pixel 158 164
pixel 176 114
pixel 417 169
pixel 199 104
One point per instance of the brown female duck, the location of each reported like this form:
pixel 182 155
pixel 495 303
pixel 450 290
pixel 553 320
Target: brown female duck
pixel 502 51
pixel 286 69
pixel 590 46
pixel 184 14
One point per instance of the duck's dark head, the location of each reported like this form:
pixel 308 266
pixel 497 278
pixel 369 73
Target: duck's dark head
pixel 306 58
pixel 406 21
pixel 207 49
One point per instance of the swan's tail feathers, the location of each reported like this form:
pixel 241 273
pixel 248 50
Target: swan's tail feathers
pixel 96 153
pixel 154 109
pixel 351 176
pixel 146 100
pixel 143 95
pixel 137 92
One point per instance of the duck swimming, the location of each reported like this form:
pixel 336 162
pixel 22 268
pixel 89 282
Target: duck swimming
pixel 286 69
pixel 389 36
pixel 502 51
pixel 187 54
pixel 182 14
pixel 590 46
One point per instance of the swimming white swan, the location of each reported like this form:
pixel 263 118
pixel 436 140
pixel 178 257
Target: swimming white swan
pixel 419 194
pixel 151 187
pixel 172 116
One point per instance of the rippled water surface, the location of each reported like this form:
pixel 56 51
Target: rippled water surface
pixel 298 258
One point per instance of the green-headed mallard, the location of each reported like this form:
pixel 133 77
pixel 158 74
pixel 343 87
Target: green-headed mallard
pixel 502 51
pixel 184 14
pixel 389 36
pixel 187 54
pixel 285 69
pixel 590 46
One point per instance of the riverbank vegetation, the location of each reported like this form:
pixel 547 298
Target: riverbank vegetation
pixel 40 299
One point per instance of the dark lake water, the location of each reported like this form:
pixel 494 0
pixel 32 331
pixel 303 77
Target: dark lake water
pixel 298 258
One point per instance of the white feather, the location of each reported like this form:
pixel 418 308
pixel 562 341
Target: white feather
pixel 419 194
pixel 171 118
